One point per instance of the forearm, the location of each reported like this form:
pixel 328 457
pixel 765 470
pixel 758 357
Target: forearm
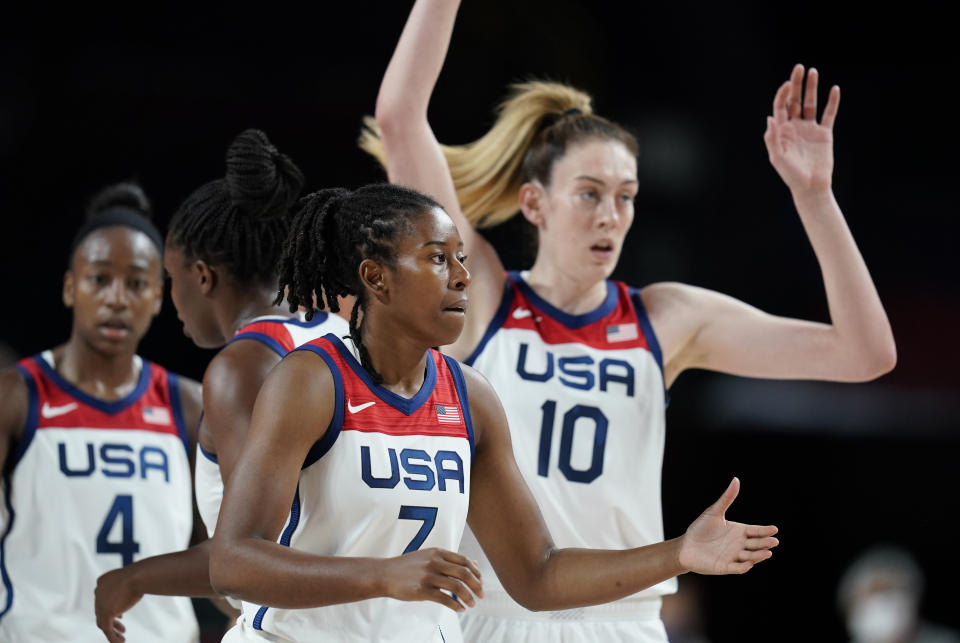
pixel 266 573
pixel 578 577
pixel 857 315
pixel 182 573
pixel 416 63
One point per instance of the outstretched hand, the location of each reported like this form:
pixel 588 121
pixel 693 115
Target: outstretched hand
pixel 712 545
pixel 800 148
pixel 114 596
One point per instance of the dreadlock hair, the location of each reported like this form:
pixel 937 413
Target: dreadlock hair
pixel 240 222
pixel 535 125
pixel 332 232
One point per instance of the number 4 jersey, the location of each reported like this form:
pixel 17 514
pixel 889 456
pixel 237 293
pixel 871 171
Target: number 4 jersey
pixel 93 485
pixel 584 395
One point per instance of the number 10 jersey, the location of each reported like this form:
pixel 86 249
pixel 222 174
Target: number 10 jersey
pixel 585 399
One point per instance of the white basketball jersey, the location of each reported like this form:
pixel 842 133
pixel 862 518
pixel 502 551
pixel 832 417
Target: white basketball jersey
pixel 282 335
pixel 92 486
pixel 390 476
pixel 585 399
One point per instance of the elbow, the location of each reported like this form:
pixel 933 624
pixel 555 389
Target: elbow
pixel 393 117
pixel 876 360
pixel 885 358
pixel 222 579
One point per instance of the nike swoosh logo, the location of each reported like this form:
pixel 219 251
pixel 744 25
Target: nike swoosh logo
pixel 53 411
pixel 521 313
pixel 357 409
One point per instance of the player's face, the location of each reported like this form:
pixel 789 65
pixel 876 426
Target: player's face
pixel 194 307
pixel 115 289
pixel 429 283
pixel 588 207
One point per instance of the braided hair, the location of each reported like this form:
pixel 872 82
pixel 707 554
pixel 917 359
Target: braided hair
pixel 240 222
pixel 332 232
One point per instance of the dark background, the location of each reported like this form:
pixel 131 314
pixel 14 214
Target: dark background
pixel 93 95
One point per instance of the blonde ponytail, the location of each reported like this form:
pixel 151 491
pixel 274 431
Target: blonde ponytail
pixel 488 172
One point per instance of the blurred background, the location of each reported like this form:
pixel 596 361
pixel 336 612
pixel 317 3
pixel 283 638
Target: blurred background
pixel 96 94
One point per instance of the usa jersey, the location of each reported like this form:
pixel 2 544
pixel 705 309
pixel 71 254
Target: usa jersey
pixel 585 399
pixel 92 486
pixel 390 476
pixel 282 335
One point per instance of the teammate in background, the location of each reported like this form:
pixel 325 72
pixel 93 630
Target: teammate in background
pixel 362 456
pixel 221 256
pixel 582 363
pixel 95 443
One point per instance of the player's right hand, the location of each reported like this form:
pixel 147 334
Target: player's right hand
pixel 433 575
pixel 113 597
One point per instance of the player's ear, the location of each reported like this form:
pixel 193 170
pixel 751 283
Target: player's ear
pixel 69 288
pixel 205 275
pixel 532 199
pixel 374 279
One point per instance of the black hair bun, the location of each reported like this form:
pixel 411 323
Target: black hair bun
pixel 120 195
pixel 261 181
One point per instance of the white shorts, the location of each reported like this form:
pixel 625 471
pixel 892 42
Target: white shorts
pixel 601 624
pixel 447 632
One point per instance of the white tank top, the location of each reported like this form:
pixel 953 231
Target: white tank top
pixel 390 476
pixel 282 334
pixel 585 399
pixel 93 485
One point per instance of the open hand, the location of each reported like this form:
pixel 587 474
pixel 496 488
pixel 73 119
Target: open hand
pixel 712 545
pixel 113 597
pixel 800 149
pixel 432 575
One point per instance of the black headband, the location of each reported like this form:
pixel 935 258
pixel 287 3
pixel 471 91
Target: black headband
pixel 118 215
pixel 573 111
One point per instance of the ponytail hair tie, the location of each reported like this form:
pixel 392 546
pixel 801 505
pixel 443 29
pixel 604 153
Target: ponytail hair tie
pixel 573 111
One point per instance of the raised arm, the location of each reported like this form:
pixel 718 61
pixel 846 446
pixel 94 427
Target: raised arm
pixel 414 158
pixel 292 412
pixel 508 525
pixel 699 328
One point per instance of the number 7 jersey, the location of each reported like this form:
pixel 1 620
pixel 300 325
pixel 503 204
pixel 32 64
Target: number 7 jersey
pixel 585 399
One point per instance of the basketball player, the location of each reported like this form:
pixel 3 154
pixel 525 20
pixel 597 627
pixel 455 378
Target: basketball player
pixel 96 444
pixel 352 488
pixel 582 363
pixel 221 256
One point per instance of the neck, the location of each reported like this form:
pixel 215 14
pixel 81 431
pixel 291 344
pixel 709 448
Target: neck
pixel 400 360
pixel 105 376
pixel 244 305
pixel 566 289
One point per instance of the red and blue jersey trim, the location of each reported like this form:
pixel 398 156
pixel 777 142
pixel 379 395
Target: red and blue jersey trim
pixel 443 385
pixel 156 388
pixel 273 332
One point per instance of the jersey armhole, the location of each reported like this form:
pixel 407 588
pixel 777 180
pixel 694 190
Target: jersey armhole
pixel 506 300
pixel 651 337
pixel 324 444
pixel 461 386
pixel 262 338
pixel 30 426
pixel 173 384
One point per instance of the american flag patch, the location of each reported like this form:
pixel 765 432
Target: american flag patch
pixel 156 415
pixel 621 333
pixel 448 414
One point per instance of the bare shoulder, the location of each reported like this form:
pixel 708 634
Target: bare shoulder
pixel 486 409
pixel 191 401
pixel 235 368
pixel 14 402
